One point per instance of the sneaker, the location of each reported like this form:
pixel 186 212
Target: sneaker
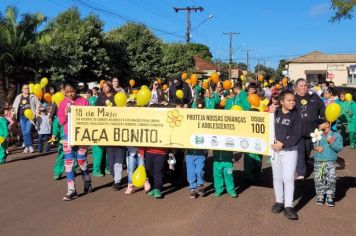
pixel 70 196
pixel 57 177
pixel 87 187
pixel 157 194
pixel 277 207
pixel 290 213
pixel 98 174
pixel 130 189
pixel 217 194
pixel 193 194
pixel 320 200
pixel 330 201
pixel 300 177
pixel 147 186
pixel 116 186
pixel 25 151
pixel 200 190
pixel 233 194
pixel 151 193
pixel 30 149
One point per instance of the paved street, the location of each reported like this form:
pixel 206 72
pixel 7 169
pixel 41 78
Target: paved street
pixel 31 204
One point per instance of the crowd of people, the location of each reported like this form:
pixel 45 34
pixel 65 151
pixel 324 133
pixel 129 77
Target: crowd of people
pixel 299 109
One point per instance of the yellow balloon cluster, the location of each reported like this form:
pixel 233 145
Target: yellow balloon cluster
pixel 143 96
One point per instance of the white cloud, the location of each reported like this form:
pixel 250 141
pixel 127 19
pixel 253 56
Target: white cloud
pixel 319 9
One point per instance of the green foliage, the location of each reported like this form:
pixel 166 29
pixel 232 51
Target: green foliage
pixel 343 9
pixel 268 72
pixel 201 50
pixel 75 48
pixel 143 50
pixel 176 59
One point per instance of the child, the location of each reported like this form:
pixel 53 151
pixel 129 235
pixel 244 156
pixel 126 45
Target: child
pixel 195 163
pixel 223 173
pixel 210 100
pixel 273 103
pixel 44 128
pixel 4 133
pixel 325 165
pixel 288 130
pixel 241 97
pixel 91 98
pixel 73 152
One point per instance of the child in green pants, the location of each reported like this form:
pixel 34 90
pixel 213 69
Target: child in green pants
pixel 223 173
pixel 4 133
pixel 57 135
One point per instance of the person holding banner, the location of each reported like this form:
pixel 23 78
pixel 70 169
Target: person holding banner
pixel 288 132
pixel 22 102
pixel 72 153
pixel 115 154
pixel 4 133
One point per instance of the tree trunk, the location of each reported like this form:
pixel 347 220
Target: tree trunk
pixel 11 90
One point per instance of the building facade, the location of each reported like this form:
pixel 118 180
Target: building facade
pixel 318 67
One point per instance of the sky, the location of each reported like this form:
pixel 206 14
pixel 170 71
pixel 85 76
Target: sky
pixel 272 30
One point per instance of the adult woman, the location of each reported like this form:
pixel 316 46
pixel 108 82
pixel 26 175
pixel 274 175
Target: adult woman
pixel 24 101
pixel 73 152
pixel 116 154
pixel 288 130
pixel 156 94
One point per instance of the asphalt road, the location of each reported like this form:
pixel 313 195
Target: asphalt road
pixel 31 204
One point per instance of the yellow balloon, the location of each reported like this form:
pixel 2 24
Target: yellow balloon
pixel 120 99
pixel 348 97
pixel 44 82
pixel 37 88
pixel 143 97
pixel 139 177
pixel 144 87
pixel 332 112
pixel 2 139
pixel 180 94
pixel 236 108
pixel 29 114
pixel 32 87
pixel 58 98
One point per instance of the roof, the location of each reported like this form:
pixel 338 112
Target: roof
pixel 201 64
pixel 317 57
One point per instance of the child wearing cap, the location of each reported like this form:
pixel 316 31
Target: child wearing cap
pixel 44 128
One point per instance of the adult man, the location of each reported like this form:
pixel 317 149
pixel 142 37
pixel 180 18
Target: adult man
pixel 116 85
pixel 312 110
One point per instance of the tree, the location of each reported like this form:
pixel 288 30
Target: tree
pixel 201 50
pixel 268 72
pixel 75 48
pixel 281 67
pixel 19 54
pixel 143 50
pixel 343 9
pixel 176 59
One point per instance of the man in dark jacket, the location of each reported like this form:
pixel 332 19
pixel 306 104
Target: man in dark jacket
pixel 312 110
pixel 177 85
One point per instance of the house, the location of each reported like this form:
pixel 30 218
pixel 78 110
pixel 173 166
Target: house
pixel 203 67
pixel 317 66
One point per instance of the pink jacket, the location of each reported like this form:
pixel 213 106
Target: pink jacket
pixel 63 119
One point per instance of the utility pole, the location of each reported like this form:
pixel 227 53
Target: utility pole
pixel 247 57
pixel 189 24
pixel 230 56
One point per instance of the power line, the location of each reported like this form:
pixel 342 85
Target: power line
pixel 230 51
pixel 188 10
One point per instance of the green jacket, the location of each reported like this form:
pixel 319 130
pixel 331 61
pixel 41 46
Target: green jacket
pixel 4 132
pixel 92 100
pixel 223 156
pixel 330 150
pixel 57 129
pixel 229 103
pixel 345 111
pixel 241 100
pixel 210 103
pixel 352 121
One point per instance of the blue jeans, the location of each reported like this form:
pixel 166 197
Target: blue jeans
pixel 26 127
pixel 195 170
pixel 133 161
pixel 43 138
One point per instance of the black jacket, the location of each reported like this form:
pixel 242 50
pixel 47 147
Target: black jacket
pixel 288 127
pixel 312 112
